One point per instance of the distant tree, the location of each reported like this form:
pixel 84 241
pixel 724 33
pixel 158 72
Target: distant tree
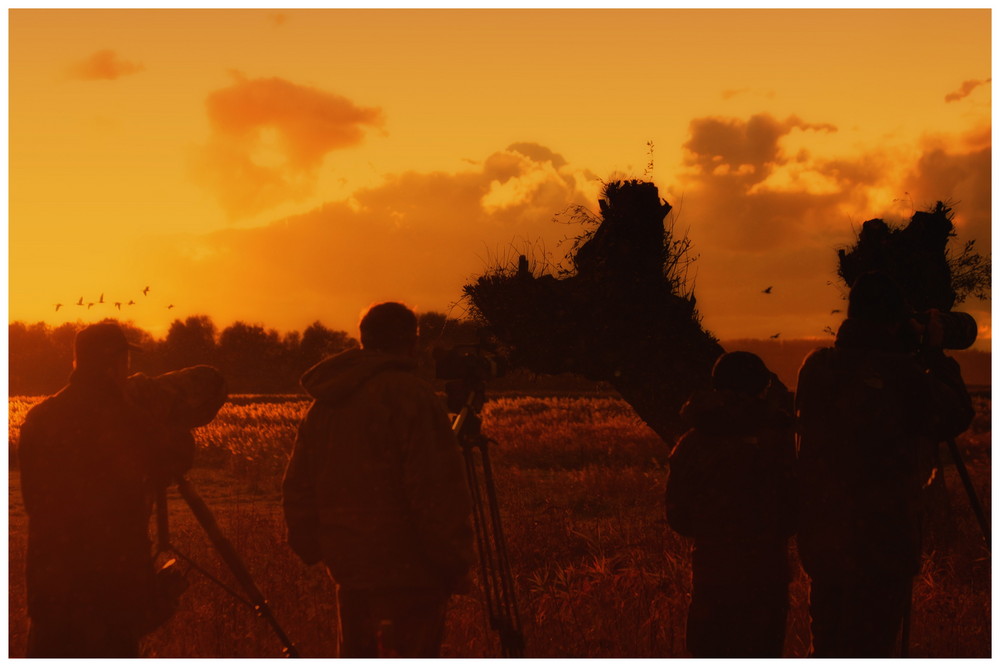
pixel 319 342
pixel 251 359
pixel 191 342
pixel 34 365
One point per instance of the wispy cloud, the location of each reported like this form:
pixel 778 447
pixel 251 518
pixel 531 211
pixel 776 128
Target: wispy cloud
pixel 268 138
pixel 965 89
pixel 746 92
pixel 103 65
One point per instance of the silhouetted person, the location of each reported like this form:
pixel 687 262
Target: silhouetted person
pixel 730 488
pixel 376 490
pixel 92 456
pixel 867 407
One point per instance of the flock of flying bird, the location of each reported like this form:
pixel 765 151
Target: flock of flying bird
pixel 145 292
pixel 117 304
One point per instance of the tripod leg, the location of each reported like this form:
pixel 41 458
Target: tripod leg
pixel 511 637
pixel 904 635
pixel 970 491
pixel 479 524
pixel 162 524
pixel 233 560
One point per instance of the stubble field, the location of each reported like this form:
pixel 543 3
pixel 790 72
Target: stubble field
pixel 598 572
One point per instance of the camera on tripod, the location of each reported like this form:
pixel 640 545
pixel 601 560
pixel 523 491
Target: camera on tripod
pixel 959 329
pixel 468 367
pixel 469 362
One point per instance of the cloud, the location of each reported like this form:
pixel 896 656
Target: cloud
pixel 965 89
pixel 747 192
pixel 738 92
pixel 761 198
pixel 269 137
pixel 417 236
pixel 103 65
pixel 957 170
pixel 763 212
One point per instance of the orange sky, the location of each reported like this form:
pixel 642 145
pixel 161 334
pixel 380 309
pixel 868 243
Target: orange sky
pixel 286 167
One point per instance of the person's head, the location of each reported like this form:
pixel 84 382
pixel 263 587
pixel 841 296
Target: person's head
pixel 389 327
pixel 102 349
pixel 876 298
pixel 741 372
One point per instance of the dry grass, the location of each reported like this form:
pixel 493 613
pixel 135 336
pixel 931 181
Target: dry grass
pixel 599 573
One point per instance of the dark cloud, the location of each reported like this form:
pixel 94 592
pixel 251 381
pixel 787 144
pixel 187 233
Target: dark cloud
pixel 748 148
pixel 965 89
pixel 104 65
pixel 298 125
pixel 538 153
pixel 418 236
pixel 746 192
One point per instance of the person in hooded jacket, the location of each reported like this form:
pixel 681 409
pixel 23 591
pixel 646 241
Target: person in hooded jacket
pixel 376 490
pixel 730 488
pixel 870 408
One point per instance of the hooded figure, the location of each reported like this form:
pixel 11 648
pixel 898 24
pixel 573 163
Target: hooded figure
pixel 376 490
pixel 730 488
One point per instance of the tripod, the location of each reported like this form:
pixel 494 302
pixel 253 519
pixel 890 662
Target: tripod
pixel 498 583
pixel 254 598
pixel 984 527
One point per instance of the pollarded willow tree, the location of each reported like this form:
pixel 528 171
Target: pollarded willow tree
pixel 624 312
pixel 919 258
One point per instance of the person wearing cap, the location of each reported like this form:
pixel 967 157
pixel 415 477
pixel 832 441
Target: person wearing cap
pixel 91 458
pixel 868 408
pixel 376 490
pixel 730 489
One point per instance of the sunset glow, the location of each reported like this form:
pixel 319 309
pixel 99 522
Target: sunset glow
pixel 287 167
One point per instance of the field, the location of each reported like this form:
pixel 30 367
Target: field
pixel 598 572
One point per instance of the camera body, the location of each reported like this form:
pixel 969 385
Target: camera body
pixel 960 329
pixel 474 363
pixel 467 368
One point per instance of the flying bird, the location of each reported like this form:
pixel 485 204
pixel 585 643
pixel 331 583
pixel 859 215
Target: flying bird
pixel 767 291
pixel 90 305
pixel 80 302
pixel 58 306
pixel 145 292
pixel 101 300
pixel 834 311
pixel 170 306
pixel 130 303
pixel 776 335
pixel 118 305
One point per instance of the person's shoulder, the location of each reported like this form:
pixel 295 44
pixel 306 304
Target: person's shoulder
pixel 818 355
pixel 50 405
pixel 401 380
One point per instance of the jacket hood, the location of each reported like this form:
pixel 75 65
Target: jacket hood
pixel 334 379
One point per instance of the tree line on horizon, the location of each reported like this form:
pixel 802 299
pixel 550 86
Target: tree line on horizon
pixel 254 359
pixel 259 360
